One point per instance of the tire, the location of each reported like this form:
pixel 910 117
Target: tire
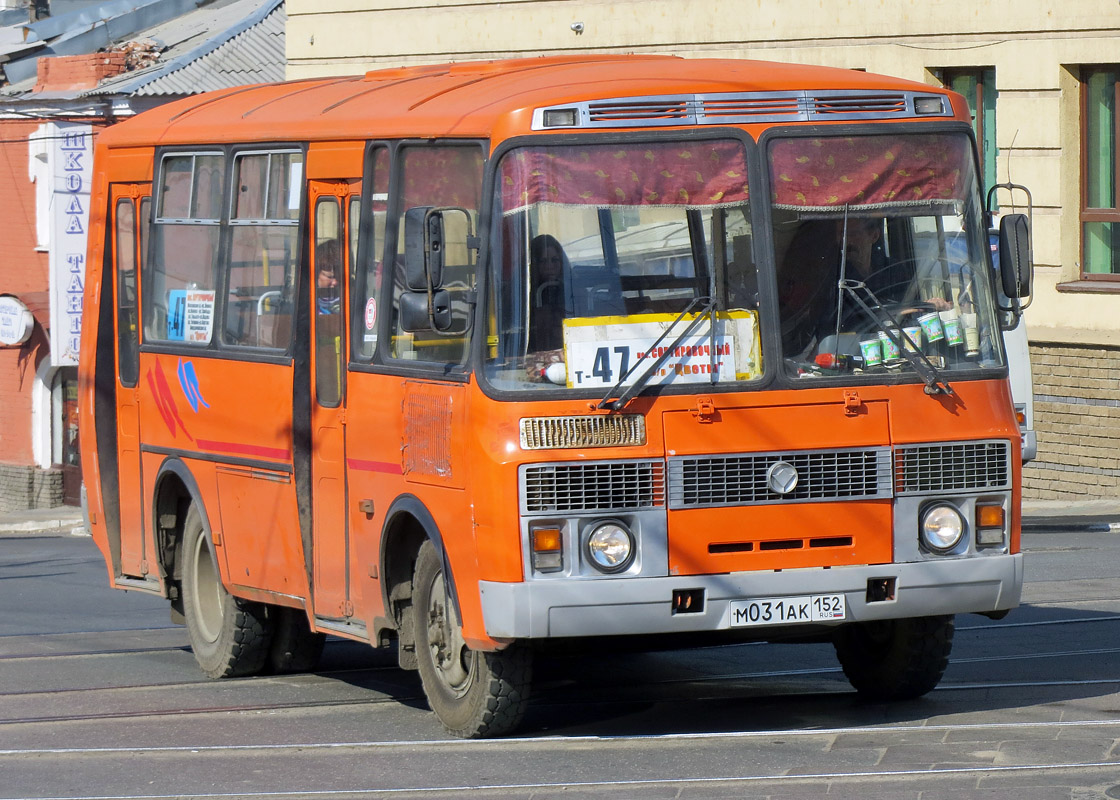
pixel 229 636
pixel 896 659
pixel 294 647
pixel 474 694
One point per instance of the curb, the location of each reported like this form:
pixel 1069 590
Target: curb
pixel 1072 524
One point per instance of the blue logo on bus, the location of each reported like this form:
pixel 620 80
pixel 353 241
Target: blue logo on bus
pixel 188 381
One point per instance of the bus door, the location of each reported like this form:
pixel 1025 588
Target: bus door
pixel 130 209
pixel 330 254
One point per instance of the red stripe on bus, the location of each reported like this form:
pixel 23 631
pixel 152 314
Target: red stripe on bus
pixel 374 466
pixel 245 449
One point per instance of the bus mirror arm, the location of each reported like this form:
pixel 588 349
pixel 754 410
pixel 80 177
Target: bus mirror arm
pixel 929 374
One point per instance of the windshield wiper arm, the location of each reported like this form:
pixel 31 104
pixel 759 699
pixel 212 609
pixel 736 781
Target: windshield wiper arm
pixel 640 383
pixel 935 384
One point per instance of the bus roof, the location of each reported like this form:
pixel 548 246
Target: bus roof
pixel 482 99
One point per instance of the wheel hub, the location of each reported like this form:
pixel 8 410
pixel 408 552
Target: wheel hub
pixel 453 660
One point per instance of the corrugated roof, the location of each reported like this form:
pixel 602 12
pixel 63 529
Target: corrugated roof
pixel 214 48
pixel 223 44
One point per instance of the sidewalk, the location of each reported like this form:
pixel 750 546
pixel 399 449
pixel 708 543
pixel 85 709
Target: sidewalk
pixel 61 520
pixel 1054 515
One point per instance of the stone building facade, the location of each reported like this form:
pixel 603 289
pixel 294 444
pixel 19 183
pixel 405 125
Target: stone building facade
pixel 1042 81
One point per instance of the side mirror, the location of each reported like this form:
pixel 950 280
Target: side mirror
pixel 421 312
pixel 423 248
pixel 1015 267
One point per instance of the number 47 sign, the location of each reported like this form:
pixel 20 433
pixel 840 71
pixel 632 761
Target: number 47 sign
pixel 599 351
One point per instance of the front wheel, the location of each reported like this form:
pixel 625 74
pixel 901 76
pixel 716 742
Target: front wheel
pixel 895 659
pixel 473 693
pixel 229 636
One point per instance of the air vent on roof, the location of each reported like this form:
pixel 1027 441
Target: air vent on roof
pixel 833 105
pixel 736 108
pixel 723 109
pixel 666 110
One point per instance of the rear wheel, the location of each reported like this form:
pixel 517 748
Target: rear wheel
pixel 229 636
pixel 895 659
pixel 473 693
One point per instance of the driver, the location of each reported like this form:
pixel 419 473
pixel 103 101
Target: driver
pixel 811 268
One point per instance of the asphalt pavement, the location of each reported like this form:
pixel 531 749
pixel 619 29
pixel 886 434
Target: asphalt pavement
pixel 1088 514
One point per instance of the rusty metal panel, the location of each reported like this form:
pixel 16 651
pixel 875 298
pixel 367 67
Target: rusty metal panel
pixel 427 430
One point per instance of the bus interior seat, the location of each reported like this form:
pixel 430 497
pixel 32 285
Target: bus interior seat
pixel 596 291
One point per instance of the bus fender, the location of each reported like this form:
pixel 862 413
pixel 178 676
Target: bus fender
pixel 393 574
pixel 165 541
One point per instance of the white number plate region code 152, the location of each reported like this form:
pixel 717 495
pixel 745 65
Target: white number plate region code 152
pixel 787 610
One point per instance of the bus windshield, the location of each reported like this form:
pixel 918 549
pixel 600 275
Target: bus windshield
pixel 879 250
pixel 600 248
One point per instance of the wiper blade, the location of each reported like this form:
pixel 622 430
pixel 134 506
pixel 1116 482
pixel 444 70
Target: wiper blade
pixel 935 384
pixel 641 382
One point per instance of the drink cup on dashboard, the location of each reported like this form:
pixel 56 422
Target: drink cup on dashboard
pixel 890 345
pixel 872 352
pixel 931 326
pixel 952 325
pixel 912 338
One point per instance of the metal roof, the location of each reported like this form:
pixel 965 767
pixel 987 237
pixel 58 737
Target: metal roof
pixel 215 48
pixel 219 45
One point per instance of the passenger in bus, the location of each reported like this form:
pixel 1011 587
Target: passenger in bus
pixel 549 274
pixel 549 270
pixel 328 264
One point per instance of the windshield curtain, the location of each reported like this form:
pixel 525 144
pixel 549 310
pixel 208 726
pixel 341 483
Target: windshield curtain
pixel 879 245
pixel 597 248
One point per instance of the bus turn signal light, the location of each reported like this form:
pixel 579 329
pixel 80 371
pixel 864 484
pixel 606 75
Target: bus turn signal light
pixel 989 516
pixel 990 521
pixel 548 552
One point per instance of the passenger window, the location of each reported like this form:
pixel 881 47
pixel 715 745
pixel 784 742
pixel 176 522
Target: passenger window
pixel 440 176
pixel 127 322
pixel 367 281
pixel 329 319
pixel 353 215
pixel 263 249
pixel 179 285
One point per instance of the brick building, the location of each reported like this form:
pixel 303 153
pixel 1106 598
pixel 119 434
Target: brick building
pixel 51 109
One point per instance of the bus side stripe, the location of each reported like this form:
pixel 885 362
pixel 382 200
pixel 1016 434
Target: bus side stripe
pixel 374 466
pixel 244 449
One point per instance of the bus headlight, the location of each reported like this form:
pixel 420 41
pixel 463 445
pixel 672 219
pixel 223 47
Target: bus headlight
pixel 610 547
pixel 942 527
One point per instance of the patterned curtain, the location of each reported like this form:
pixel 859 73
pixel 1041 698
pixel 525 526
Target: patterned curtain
pixel 869 171
pixel 442 176
pixel 709 173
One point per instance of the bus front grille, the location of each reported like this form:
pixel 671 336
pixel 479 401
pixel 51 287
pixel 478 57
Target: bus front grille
pixel 583 487
pixel 591 430
pixel 953 467
pixel 746 479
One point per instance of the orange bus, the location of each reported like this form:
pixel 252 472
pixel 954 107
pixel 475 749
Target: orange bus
pixel 482 359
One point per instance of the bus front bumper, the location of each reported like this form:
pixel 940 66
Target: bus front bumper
pixel 625 606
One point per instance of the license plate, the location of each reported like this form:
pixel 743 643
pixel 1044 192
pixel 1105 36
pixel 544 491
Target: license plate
pixel 787 610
